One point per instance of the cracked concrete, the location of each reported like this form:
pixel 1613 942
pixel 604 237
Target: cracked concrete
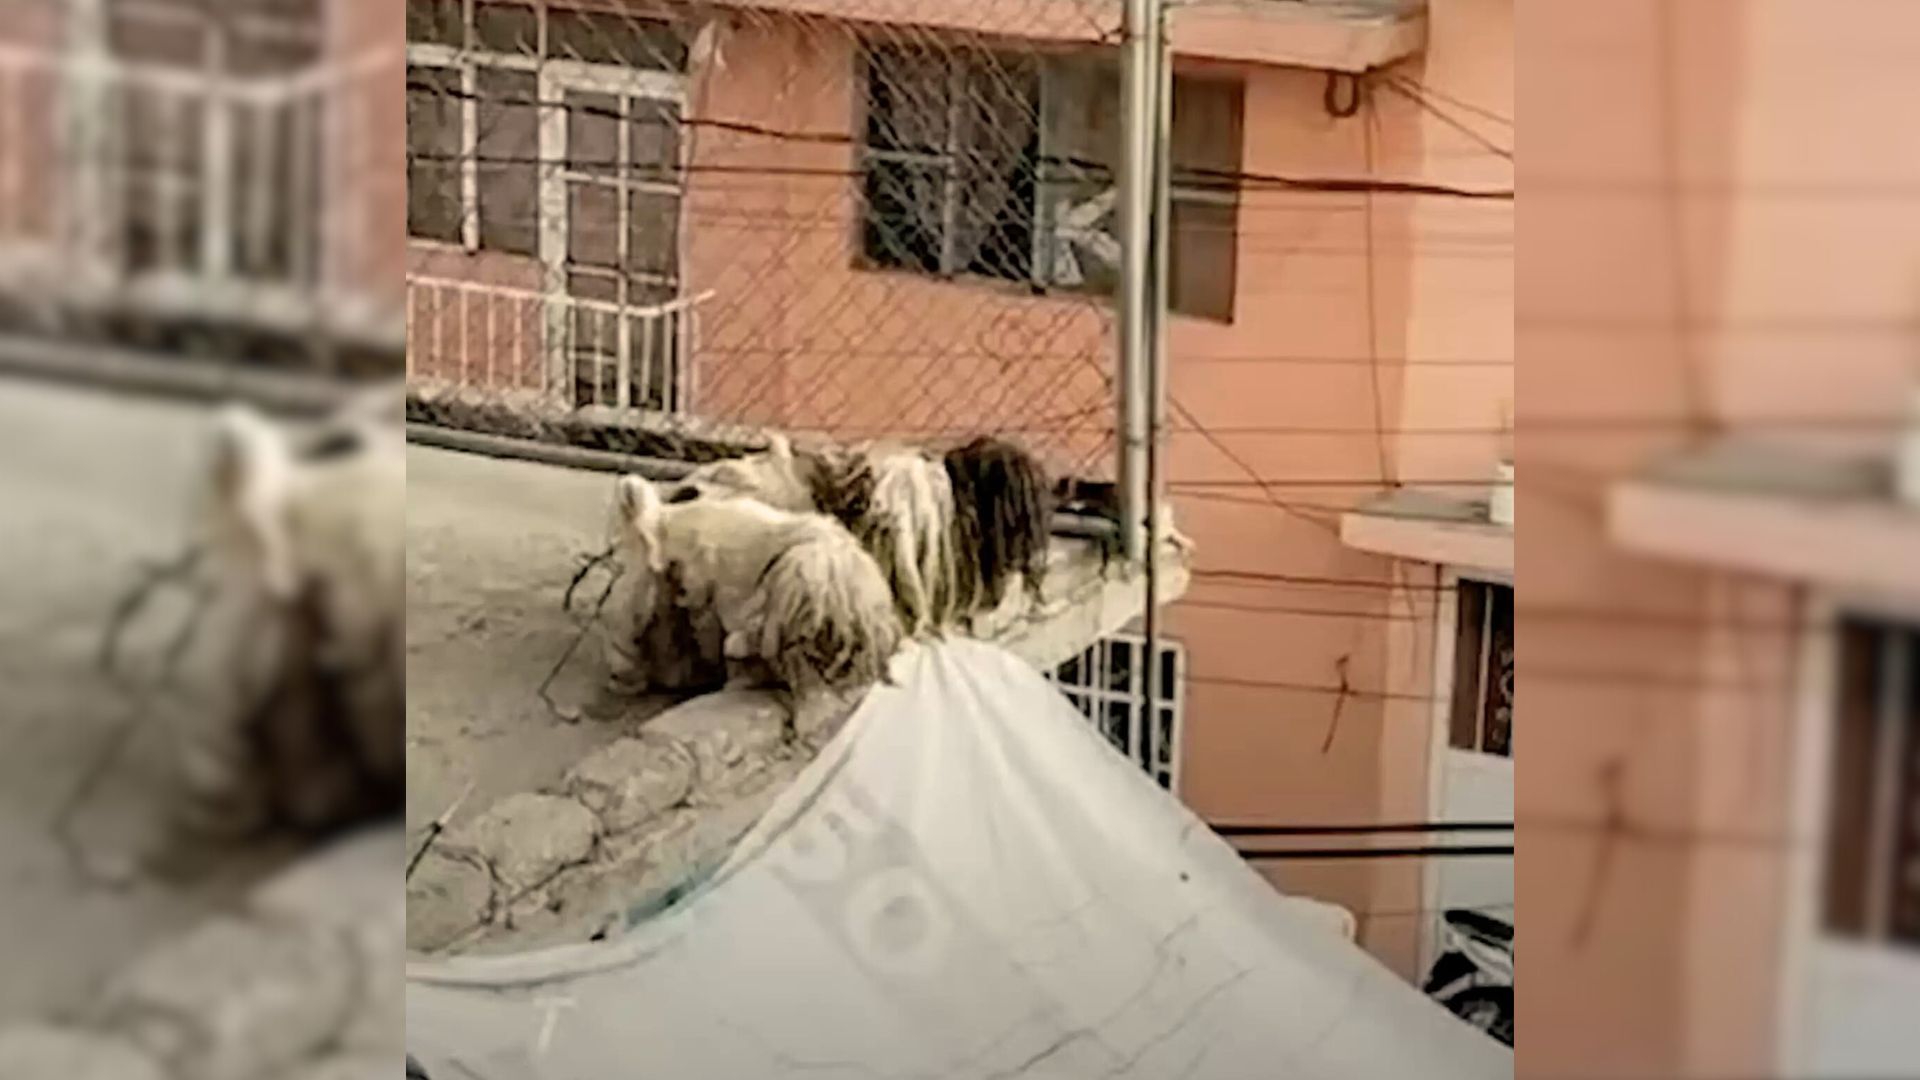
pixel 631 823
pixel 300 982
pixel 93 484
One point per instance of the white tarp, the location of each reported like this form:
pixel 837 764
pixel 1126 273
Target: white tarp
pixel 967 884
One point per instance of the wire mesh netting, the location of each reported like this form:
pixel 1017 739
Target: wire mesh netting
pixel 667 224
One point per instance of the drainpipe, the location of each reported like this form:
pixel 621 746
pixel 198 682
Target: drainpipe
pixel 1140 34
pixel 1147 113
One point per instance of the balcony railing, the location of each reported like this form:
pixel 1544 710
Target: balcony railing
pixel 507 344
pixel 172 193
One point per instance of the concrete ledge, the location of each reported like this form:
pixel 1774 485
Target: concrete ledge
pixel 1829 523
pixel 1429 528
pixel 1087 598
pixel 1350 37
pixel 1338 35
pixel 117 368
pixel 638 823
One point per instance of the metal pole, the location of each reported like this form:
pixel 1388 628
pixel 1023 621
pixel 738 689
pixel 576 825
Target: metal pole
pixel 1139 53
pixel 1156 367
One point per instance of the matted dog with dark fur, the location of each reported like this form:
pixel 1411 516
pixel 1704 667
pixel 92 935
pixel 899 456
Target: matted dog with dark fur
pixel 300 666
pixel 951 531
pixel 798 603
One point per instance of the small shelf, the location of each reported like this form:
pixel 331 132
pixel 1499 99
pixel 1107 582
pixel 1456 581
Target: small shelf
pixel 1774 512
pixel 1424 527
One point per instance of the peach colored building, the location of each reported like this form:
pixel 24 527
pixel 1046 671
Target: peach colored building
pixel 838 221
pixel 1721 802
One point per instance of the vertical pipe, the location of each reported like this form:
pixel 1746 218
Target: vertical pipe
pixel 1156 362
pixel 1139 30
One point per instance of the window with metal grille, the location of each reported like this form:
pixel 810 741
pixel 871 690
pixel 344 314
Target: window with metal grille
pixel 1872 873
pixel 212 145
pixel 1107 683
pixel 949 161
pixel 557 134
pixel 1481 717
pixel 994 165
pixel 474 105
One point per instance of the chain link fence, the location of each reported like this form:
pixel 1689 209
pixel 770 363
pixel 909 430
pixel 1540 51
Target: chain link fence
pixel 671 228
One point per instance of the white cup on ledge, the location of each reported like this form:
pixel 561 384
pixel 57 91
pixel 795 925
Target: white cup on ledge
pixel 1500 502
pixel 1906 466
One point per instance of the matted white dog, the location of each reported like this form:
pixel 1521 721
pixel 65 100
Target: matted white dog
pixel 302 660
pixel 799 602
pixel 953 531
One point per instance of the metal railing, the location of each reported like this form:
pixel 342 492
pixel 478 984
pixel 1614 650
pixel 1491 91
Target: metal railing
pixel 548 351
pixel 150 190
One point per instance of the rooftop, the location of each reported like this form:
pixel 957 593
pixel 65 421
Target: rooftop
pixel 563 826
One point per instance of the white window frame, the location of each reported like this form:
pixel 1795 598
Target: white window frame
pixel 556 78
pixel 93 74
pixel 1803 931
pixel 1141 748
pixel 1440 742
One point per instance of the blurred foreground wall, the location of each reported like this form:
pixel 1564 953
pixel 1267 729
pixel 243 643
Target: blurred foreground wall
pixel 1717 297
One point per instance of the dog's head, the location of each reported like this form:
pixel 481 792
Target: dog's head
pixel 637 517
pixel 251 486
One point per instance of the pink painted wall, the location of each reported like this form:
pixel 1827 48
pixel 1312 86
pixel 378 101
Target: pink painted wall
pixel 1369 322
pixel 797 337
pixel 366 176
pixel 1731 240
pixel 28 89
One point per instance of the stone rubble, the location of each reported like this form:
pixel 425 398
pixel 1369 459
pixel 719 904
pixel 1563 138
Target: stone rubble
pixel 302 983
pixel 629 827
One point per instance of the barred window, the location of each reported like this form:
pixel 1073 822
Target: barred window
pixel 474 94
pixel 997 166
pixel 1872 873
pixel 949 161
pixel 1481 718
pixel 506 157
pixel 1107 683
pixel 530 29
pixel 206 180
pixel 471 113
pixel 433 153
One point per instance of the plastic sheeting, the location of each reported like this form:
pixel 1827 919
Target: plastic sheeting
pixel 968 883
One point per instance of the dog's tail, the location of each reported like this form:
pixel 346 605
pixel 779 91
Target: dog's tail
pixel 830 621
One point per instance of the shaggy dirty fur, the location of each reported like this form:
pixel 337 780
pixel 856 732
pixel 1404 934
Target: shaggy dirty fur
pixel 303 676
pixel 662 638
pixel 1003 514
pixel 950 532
pixel 795 595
